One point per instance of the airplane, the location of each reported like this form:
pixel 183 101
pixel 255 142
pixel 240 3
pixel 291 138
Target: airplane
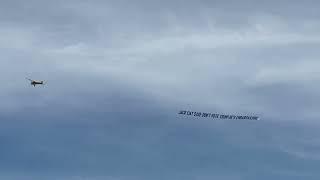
pixel 34 82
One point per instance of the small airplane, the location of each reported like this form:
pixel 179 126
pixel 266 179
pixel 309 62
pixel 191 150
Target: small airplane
pixel 34 82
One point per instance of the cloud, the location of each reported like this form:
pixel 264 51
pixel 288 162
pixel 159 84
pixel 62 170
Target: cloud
pixel 170 65
pixel 302 71
pixel 118 73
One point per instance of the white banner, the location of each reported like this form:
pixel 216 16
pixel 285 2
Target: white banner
pixel 218 116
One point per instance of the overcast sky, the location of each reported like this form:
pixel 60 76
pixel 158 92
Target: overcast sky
pixel 118 72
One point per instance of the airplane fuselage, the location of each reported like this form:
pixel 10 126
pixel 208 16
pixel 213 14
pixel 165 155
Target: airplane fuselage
pixel 34 83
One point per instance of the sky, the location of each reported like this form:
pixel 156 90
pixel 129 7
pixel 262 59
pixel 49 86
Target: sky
pixel 117 73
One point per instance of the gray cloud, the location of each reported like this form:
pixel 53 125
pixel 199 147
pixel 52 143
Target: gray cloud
pixel 118 72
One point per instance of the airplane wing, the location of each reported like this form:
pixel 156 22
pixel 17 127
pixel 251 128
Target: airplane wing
pixel 29 79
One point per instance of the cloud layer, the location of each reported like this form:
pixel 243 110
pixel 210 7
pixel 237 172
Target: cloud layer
pixel 118 72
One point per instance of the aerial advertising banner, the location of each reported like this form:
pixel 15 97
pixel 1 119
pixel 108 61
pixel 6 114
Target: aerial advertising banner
pixel 218 116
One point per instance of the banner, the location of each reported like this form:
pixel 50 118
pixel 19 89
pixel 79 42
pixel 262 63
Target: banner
pixel 218 116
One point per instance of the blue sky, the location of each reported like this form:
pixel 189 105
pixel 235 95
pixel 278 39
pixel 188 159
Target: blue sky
pixel 119 71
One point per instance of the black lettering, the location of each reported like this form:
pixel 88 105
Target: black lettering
pixel 224 116
pixel 255 118
pixel 205 114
